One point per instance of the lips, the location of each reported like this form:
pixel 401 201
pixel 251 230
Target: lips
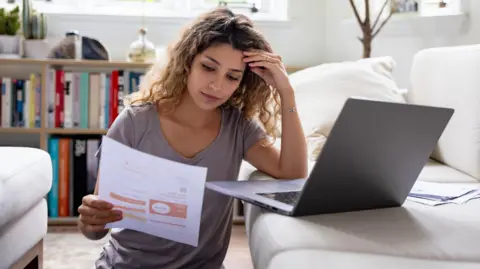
pixel 210 97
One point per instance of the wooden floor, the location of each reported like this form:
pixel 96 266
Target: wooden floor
pixel 238 256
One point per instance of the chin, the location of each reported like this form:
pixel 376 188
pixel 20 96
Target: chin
pixel 208 102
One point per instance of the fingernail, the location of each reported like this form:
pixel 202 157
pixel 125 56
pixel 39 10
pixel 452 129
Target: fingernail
pixel 117 212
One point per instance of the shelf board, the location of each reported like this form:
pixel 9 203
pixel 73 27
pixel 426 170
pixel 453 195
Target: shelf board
pixel 94 63
pixel 74 131
pixel 63 221
pixel 19 130
pixel 72 62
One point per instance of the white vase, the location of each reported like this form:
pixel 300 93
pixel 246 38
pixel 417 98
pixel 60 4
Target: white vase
pixel 36 48
pixel 9 44
pixel 142 50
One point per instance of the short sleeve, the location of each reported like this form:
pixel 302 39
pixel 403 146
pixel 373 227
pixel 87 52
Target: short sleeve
pixel 252 133
pixel 121 130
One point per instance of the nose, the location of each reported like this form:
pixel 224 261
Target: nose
pixel 216 84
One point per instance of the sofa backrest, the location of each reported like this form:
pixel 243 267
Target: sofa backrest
pixel 450 77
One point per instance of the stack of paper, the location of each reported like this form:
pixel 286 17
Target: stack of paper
pixel 157 196
pixel 431 193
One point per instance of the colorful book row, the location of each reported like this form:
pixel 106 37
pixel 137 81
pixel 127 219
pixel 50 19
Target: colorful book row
pixel 75 169
pixel 20 102
pixel 87 99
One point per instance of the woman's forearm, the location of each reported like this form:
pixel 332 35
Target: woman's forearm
pixel 293 154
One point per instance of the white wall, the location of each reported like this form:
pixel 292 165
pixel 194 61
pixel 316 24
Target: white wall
pixel 288 39
pixel 317 34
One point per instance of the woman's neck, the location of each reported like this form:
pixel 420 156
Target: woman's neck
pixel 189 114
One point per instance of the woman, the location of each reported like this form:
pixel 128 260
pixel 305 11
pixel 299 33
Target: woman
pixel 216 103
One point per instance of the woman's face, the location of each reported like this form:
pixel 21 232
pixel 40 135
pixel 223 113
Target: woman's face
pixel 215 75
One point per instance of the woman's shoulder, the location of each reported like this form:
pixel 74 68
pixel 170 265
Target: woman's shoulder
pixel 234 115
pixel 140 111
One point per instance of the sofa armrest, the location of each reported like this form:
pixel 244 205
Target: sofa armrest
pixel 448 77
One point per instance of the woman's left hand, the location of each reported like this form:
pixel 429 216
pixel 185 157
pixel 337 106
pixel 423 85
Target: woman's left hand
pixel 273 71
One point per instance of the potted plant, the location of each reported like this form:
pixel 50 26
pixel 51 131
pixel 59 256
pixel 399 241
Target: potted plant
pixel 369 27
pixel 34 32
pixel 9 26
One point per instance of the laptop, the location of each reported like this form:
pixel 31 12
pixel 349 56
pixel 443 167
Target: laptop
pixel 371 160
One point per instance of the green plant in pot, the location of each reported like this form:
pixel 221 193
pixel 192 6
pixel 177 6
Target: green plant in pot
pixel 34 23
pixel 34 31
pixel 9 21
pixel 9 26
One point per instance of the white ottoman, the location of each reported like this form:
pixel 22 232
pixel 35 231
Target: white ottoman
pixel 25 180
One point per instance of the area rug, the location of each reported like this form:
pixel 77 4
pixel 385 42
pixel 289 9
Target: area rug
pixel 69 249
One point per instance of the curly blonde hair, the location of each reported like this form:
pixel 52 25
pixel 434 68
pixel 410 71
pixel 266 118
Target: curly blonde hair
pixel 168 82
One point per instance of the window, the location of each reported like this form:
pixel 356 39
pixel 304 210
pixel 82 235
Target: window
pixel 423 7
pixel 439 7
pixel 269 9
pixel 249 6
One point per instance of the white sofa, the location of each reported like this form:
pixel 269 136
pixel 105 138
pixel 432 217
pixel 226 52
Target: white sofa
pixel 412 236
pixel 25 179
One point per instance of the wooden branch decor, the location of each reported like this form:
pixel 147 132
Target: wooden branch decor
pixel 369 30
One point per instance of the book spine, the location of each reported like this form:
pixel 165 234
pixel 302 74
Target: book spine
pixel 113 102
pixel 38 101
pixel 76 100
pixel 79 171
pixel 84 99
pixel 68 95
pixel 63 180
pixel 6 102
pixel 59 98
pixel 53 193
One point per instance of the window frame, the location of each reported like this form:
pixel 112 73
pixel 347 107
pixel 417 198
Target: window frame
pixel 426 9
pixel 277 11
pixel 265 5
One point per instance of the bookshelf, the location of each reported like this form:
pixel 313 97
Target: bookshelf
pixel 42 132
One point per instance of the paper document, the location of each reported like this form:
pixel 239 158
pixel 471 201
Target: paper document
pixel 432 193
pixel 157 196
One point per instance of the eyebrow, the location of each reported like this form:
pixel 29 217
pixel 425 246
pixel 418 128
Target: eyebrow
pixel 215 61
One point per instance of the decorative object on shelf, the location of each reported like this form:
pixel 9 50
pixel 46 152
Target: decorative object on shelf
pixel 142 50
pixel 74 46
pixel 92 49
pixel 442 4
pixel 67 48
pixel 9 38
pixel 370 30
pixel 34 31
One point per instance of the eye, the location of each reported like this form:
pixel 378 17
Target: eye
pixel 208 68
pixel 232 78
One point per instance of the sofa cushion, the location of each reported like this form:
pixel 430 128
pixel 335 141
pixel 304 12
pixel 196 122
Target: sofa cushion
pixel 21 234
pixel 414 231
pixel 25 178
pixel 321 92
pixel 315 258
pixel 448 77
pixel 441 173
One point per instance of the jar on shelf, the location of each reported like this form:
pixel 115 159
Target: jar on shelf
pixel 76 40
pixel 142 50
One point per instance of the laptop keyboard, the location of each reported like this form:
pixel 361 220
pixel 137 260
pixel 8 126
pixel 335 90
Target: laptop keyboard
pixel 289 198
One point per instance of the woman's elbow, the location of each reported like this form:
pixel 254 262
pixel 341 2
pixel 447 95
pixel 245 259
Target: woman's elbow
pixel 300 172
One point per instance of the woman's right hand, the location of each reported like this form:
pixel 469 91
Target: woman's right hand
pixel 96 213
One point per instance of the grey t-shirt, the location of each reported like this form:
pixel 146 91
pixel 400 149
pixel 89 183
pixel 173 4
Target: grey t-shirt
pixel 139 127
